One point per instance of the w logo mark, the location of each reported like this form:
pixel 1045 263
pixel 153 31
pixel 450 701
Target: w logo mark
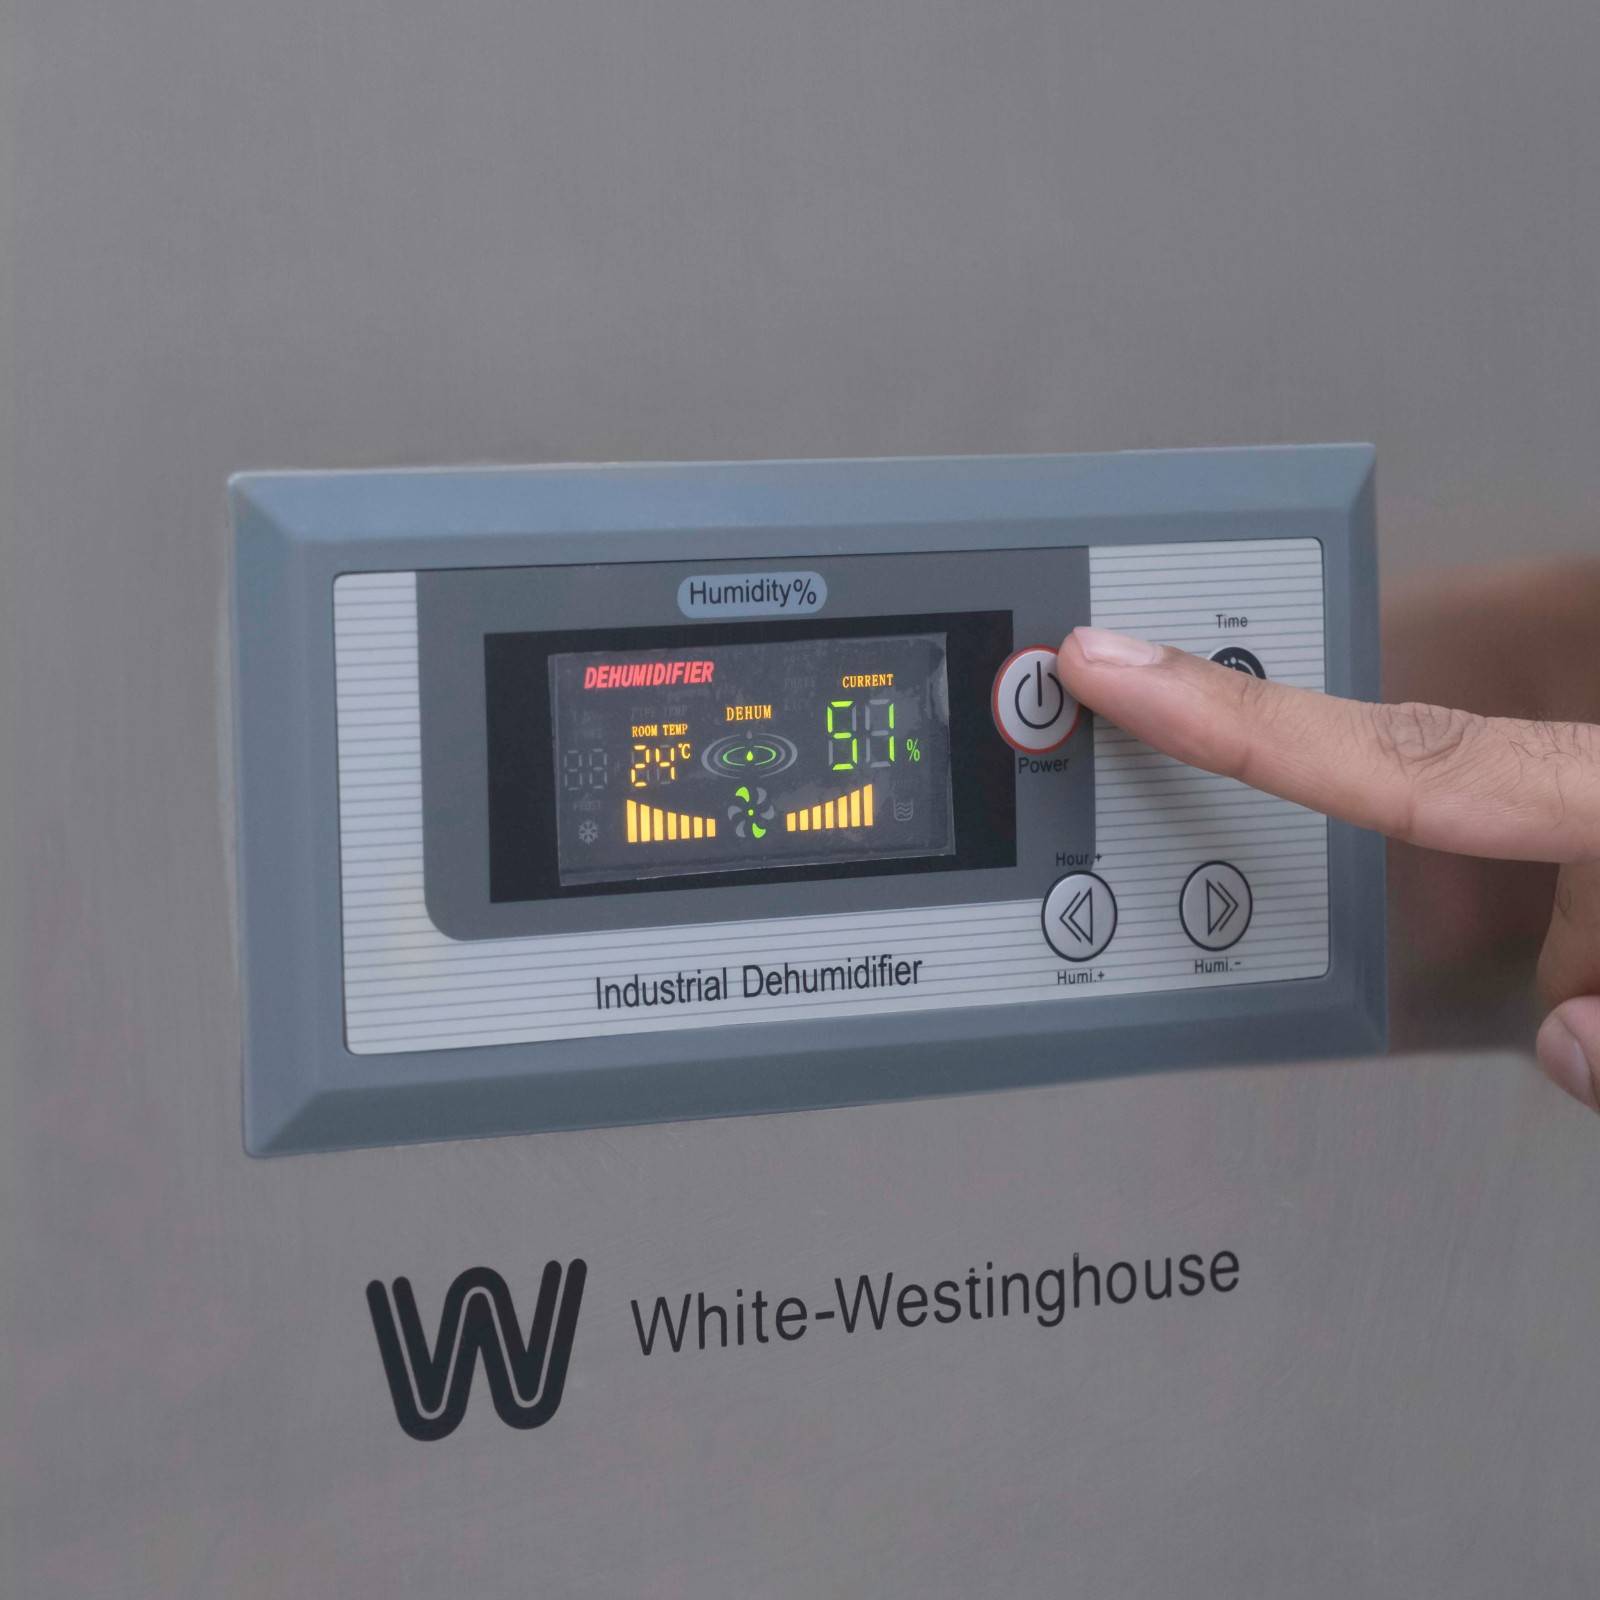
pixel 430 1387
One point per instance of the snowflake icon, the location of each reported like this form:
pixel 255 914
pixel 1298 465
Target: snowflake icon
pixel 588 832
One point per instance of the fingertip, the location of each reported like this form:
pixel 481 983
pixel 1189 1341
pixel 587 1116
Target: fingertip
pixel 1103 647
pixel 1568 1048
pixel 1093 662
pixel 1069 660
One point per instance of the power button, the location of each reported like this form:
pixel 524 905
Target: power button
pixel 1032 710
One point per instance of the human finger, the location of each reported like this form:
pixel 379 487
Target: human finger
pixel 1448 780
pixel 1568 1048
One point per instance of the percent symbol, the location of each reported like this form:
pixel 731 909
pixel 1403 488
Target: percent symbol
pixel 914 749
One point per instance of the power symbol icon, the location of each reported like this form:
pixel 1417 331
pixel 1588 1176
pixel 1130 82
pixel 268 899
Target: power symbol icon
pixel 1039 697
pixel 1031 706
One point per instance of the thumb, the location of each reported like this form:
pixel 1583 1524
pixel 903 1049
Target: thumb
pixel 1569 980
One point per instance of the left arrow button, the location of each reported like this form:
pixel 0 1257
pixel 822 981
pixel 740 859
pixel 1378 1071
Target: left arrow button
pixel 1079 916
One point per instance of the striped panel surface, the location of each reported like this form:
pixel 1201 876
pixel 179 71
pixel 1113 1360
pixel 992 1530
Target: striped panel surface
pixel 409 987
pixel 1157 820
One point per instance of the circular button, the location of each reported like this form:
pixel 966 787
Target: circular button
pixel 1079 916
pixel 1031 709
pixel 1240 660
pixel 1215 905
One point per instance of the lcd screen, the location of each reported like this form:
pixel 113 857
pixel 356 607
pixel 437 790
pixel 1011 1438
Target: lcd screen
pixel 739 758
pixel 591 732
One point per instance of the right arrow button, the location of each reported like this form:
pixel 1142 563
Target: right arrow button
pixel 1216 905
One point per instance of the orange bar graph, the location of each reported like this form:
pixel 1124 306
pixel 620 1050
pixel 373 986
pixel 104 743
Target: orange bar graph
pixel 647 824
pixel 853 810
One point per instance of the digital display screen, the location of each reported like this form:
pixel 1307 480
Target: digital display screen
pixel 744 757
pixel 863 747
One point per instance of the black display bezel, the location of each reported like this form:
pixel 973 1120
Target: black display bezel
pixel 523 863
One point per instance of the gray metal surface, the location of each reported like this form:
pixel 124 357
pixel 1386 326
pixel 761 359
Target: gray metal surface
pixel 364 234
pixel 1396 1399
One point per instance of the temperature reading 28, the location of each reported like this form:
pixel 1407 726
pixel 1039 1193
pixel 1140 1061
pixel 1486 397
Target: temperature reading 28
pixel 852 722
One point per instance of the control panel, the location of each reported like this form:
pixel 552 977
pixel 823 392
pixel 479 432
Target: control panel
pixel 584 795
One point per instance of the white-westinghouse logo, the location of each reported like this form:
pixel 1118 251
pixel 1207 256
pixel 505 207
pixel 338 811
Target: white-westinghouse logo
pixel 430 1386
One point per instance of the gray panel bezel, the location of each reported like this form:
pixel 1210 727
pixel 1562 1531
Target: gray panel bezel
pixel 1054 812
pixel 295 533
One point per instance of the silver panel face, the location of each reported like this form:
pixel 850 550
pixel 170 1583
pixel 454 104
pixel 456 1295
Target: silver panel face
pixel 409 986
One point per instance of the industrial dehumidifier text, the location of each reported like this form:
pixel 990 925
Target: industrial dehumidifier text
pixel 713 985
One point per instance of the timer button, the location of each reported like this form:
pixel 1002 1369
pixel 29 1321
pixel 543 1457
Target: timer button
pixel 1238 659
pixel 1032 710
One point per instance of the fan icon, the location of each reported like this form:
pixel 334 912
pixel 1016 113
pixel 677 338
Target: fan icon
pixel 750 815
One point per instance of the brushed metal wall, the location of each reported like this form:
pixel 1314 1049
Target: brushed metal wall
pixel 247 236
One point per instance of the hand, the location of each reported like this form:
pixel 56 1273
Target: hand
pixel 1454 781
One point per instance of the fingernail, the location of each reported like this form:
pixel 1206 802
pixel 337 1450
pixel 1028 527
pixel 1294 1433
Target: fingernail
pixel 1565 1061
pixel 1116 649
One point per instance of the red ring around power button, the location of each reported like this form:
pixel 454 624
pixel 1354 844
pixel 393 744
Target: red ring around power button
pixel 1031 707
